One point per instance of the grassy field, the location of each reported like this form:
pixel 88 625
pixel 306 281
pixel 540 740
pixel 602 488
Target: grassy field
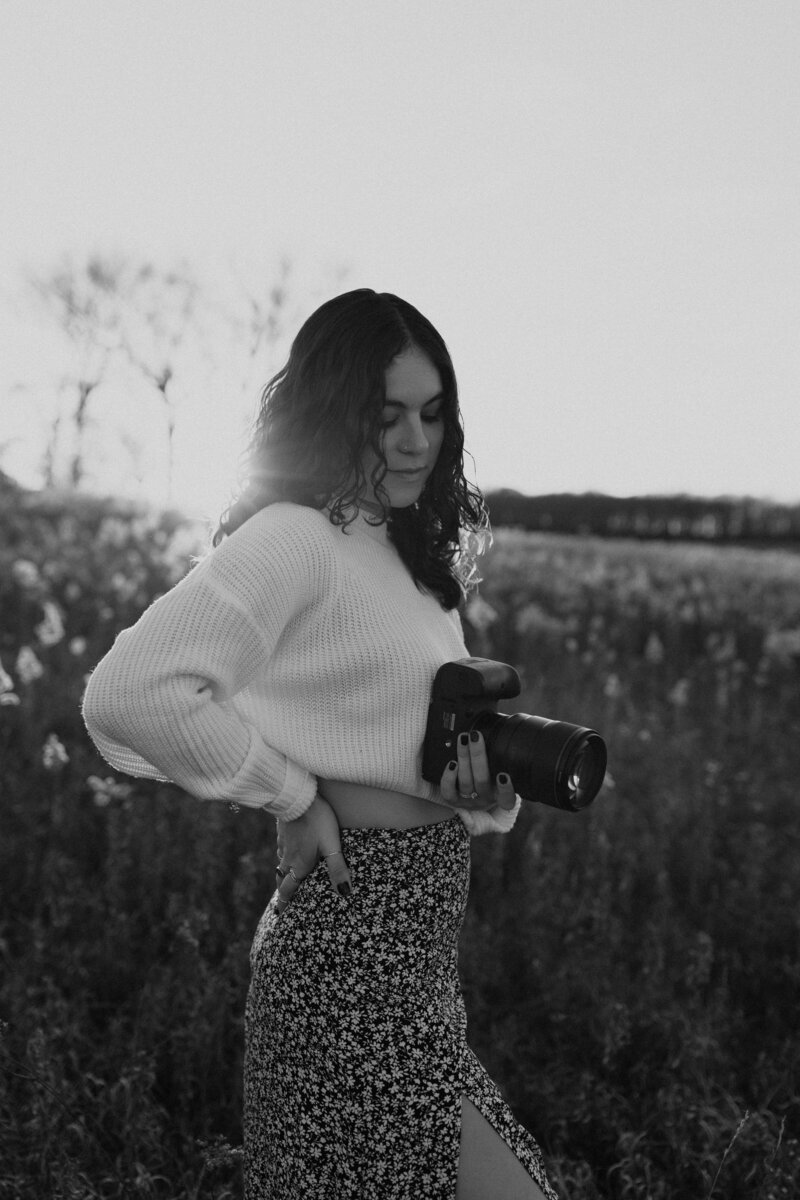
pixel 632 973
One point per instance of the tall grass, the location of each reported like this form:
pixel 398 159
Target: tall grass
pixel 637 984
pixel 631 973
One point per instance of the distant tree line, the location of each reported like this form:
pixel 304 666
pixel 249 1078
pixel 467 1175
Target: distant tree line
pixel 680 517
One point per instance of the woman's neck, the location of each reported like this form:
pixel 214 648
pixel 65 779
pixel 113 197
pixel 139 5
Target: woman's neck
pixel 369 520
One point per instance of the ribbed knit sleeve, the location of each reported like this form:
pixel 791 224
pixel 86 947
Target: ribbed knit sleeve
pixel 160 704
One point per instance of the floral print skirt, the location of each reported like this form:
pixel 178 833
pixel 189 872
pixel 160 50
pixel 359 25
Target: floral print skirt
pixel 356 1058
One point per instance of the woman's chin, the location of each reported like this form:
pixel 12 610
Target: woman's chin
pixel 403 493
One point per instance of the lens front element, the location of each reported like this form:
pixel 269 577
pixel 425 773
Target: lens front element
pixel 584 769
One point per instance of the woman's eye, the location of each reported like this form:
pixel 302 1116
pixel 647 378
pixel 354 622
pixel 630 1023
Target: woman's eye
pixel 427 418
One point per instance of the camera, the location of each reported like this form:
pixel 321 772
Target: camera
pixel 548 761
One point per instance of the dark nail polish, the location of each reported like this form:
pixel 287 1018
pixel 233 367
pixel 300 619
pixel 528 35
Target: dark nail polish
pixel 452 765
pixel 473 737
pixel 344 890
pixel 463 739
pixel 502 778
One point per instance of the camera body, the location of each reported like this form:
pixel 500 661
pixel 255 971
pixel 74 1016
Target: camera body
pixel 551 762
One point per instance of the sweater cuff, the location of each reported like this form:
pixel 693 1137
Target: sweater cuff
pixel 297 794
pixel 480 821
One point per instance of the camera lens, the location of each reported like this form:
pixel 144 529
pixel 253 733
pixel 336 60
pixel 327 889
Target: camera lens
pixel 550 761
pixel 584 770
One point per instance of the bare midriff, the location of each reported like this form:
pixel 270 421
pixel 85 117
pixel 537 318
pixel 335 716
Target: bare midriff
pixel 360 807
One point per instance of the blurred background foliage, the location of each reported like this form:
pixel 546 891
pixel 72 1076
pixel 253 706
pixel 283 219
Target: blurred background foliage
pixel 631 973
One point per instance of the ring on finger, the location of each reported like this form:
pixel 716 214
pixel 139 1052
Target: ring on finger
pixel 332 854
pixel 279 871
pixel 292 874
pixel 471 796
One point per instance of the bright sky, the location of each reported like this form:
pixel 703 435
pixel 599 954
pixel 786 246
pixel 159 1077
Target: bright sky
pixel 598 205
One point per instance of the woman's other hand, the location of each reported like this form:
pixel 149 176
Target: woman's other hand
pixel 466 782
pixel 312 836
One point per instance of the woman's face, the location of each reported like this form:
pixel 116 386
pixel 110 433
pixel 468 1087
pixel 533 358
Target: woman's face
pixel 413 428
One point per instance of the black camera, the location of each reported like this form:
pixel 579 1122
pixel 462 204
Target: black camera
pixel 550 761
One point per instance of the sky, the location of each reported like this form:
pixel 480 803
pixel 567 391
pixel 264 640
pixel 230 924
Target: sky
pixel 598 206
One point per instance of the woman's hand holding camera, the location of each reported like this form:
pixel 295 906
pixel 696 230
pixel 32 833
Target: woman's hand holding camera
pixel 312 836
pixel 466 782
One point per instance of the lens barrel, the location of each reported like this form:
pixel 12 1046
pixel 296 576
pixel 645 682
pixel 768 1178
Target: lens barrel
pixel 551 762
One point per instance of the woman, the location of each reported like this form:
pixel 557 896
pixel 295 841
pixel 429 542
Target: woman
pixel 291 671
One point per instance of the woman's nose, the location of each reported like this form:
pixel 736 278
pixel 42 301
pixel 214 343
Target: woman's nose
pixel 415 440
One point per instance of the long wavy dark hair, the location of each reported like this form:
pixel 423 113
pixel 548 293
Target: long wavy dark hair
pixel 322 413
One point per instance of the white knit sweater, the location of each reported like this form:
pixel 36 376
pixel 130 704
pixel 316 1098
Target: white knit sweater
pixel 293 650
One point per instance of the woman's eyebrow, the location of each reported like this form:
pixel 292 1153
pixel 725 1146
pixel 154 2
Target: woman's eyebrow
pixel 402 404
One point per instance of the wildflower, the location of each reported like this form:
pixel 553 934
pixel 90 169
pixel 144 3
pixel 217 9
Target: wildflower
pixel 123 586
pixel 113 532
pixel 533 619
pixel 613 687
pixel 679 695
pixel 7 694
pixel 25 573
pixel 28 666
pixel 54 755
pixel 712 771
pixel 654 650
pixel 184 933
pixel 6 682
pixel 105 790
pixel 77 646
pixel 782 645
pixel 51 629
pixel 480 614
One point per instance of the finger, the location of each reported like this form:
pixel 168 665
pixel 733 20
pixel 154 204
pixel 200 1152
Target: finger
pixel 288 886
pixel 465 783
pixel 506 796
pixel 454 789
pixel 479 764
pixel 338 872
pixel 282 869
pixel 447 784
